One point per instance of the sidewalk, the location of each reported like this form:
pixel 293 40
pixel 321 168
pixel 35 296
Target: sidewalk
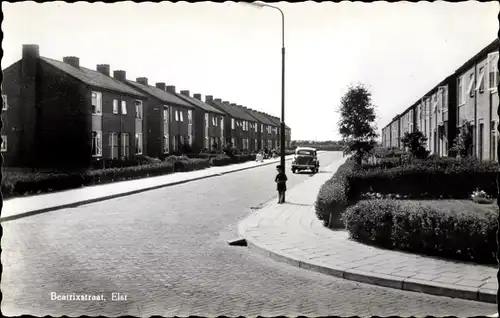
pixel 24 206
pixel 291 233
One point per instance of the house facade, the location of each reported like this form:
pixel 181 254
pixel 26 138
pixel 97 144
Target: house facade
pixel 263 122
pixel 209 123
pixel 469 95
pixel 59 115
pixel 170 119
pixel 271 132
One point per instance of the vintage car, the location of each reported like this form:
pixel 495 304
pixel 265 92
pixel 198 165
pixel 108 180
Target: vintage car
pixel 305 159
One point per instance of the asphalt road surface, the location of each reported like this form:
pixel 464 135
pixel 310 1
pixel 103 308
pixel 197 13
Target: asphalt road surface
pixel 165 253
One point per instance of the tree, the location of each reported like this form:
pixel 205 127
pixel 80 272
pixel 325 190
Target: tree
pixel 356 125
pixel 415 142
pixel 462 145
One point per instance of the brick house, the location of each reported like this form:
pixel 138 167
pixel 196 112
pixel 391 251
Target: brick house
pixel 468 95
pixel 277 121
pixel 209 123
pixel 59 115
pixel 238 123
pixel 262 131
pixel 272 132
pixel 477 100
pixel 253 133
pixel 170 118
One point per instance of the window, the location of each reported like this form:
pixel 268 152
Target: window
pixel 125 145
pixel 96 103
pixel 470 91
pixel 176 116
pixel 138 144
pixel 181 115
pixel 96 143
pixel 4 143
pixel 233 141
pixel 124 107
pixel 174 143
pixel 214 121
pixel 256 126
pixel 493 139
pixel 165 114
pixel 480 82
pixel 493 76
pixel 165 144
pixel 461 91
pixel 232 123
pixel 115 106
pixel 190 117
pixel 261 128
pixel 138 109
pixel 5 104
pixel 113 145
pixel 181 140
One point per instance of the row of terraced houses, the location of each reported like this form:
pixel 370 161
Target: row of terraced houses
pixel 469 94
pixel 60 114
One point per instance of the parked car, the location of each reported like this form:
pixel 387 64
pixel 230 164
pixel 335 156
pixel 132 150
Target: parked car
pixel 305 159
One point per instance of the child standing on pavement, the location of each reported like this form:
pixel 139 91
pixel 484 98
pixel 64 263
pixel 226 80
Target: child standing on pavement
pixel 281 180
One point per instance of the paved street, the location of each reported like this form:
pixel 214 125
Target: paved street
pixel 165 250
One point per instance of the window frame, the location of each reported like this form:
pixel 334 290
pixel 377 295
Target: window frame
pixel 98 107
pixel 98 136
pixel 124 107
pixel 113 143
pixel 461 90
pixel 5 102
pixel 139 141
pixel 139 114
pixel 5 143
pixel 493 64
pixel 472 79
pixel 116 108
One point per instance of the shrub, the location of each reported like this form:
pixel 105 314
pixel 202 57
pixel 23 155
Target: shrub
pixel 334 197
pixel 425 227
pixel 432 178
pixel 16 184
pixel 220 160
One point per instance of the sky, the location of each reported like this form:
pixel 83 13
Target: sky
pixel 233 51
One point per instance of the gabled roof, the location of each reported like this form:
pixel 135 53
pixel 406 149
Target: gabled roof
pixel 160 94
pixel 232 111
pixel 200 104
pixel 271 119
pixel 260 118
pixel 279 121
pixel 93 78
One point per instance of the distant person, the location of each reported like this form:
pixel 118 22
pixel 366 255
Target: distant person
pixel 281 180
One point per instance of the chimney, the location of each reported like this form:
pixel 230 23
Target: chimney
pixel 171 89
pixel 197 96
pixel 160 86
pixel 225 102
pixel 120 75
pixel 72 60
pixel 142 80
pixel 103 69
pixel 185 93
pixel 218 100
pixel 233 104
pixel 27 102
pixel 209 98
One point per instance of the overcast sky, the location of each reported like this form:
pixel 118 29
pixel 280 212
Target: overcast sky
pixel 233 52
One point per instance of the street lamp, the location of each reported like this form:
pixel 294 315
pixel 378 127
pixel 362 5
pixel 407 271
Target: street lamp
pixel 260 5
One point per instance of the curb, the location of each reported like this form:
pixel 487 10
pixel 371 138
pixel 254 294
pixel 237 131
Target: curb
pixel 407 284
pixel 123 194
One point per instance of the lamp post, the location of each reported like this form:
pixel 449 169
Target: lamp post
pixel 261 5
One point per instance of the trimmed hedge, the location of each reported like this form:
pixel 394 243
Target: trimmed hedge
pixel 335 196
pixel 439 178
pixel 18 184
pixel 423 227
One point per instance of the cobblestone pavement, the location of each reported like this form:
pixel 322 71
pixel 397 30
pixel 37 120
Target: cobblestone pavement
pixel 166 251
